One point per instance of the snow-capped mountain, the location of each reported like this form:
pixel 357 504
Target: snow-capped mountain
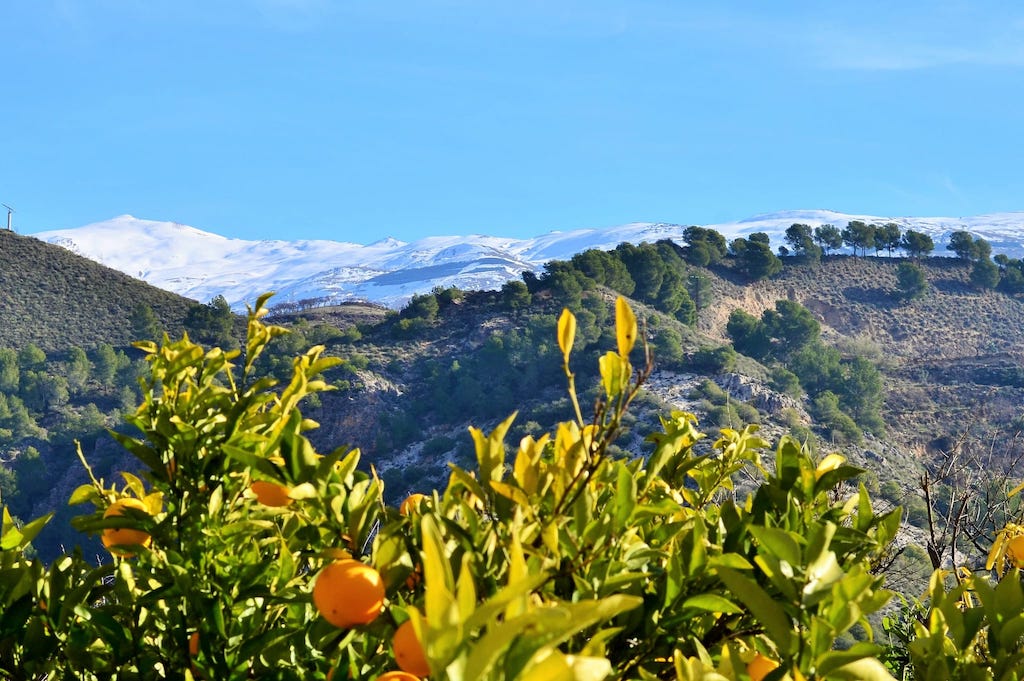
pixel 202 265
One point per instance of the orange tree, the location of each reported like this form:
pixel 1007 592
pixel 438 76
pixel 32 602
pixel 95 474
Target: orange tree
pixel 559 561
pixel 971 624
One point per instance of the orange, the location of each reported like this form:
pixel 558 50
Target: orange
pixel 411 503
pixel 122 536
pixel 408 651
pixel 760 666
pixel 1015 551
pixel 193 644
pixel 348 593
pixel 270 493
pixel 398 676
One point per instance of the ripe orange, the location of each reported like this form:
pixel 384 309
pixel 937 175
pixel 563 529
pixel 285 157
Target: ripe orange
pixel 760 666
pixel 397 676
pixel 411 503
pixel 270 493
pixel 118 536
pixel 348 593
pixel 1015 551
pixel 408 651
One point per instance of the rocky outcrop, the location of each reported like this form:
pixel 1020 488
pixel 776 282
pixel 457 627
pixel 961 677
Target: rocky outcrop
pixel 354 417
pixel 746 389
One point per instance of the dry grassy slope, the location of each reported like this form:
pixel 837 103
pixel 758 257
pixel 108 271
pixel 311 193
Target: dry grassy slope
pixel 954 358
pixel 56 299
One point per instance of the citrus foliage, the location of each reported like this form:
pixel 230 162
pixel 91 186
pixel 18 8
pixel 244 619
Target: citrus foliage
pixel 972 630
pixel 246 554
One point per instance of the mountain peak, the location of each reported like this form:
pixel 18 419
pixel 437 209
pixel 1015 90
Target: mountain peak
pixel 387 242
pixel 202 265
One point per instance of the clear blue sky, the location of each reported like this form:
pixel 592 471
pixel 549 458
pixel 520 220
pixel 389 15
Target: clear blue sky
pixel 358 119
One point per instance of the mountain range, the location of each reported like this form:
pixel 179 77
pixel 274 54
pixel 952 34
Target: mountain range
pixel 201 265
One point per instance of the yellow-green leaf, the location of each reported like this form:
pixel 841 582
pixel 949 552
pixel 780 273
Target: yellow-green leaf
pixel 441 604
pixel 867 669
pixel 614 373
pixel 566 332
pixel 304 491
pixel 625 327
pixel 466 590
pixel 490 449
pixel 83 493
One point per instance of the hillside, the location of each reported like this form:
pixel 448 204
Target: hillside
pixel 55 299
pixel 956 351
pixel 949 362
pixel 951 352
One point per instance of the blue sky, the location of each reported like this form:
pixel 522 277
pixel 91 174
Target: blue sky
pixel 356 120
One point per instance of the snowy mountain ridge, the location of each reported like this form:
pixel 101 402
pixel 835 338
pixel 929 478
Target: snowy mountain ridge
pixel 201 265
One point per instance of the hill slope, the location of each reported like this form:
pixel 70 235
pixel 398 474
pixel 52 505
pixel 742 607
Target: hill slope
pixel 56 299
pixel 951 362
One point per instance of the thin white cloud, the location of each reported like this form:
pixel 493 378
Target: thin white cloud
pixel 860 51
pixel 861 37
pixel 951 187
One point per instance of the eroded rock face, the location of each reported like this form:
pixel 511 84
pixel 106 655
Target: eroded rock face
pixel 355 417
pixel 674 388
pixel 746 389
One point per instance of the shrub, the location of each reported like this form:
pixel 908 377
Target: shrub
pixel 566 561
pixel 785 381
pixel 910 280
pixel 718 360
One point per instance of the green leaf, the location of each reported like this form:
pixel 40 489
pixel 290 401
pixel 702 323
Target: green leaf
pixel 729 560
pixel 761 606
pixel 625 495
pixel 712 603
pixel 779 543
pixel 32 529
pixel 259 463
pixel 821 537
pixel 82 494
pixel 867 669
pixel 833 477
pixel 11 539
pixel 144 453
pixel 546 627
pixel 497 603
pixel 834 659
